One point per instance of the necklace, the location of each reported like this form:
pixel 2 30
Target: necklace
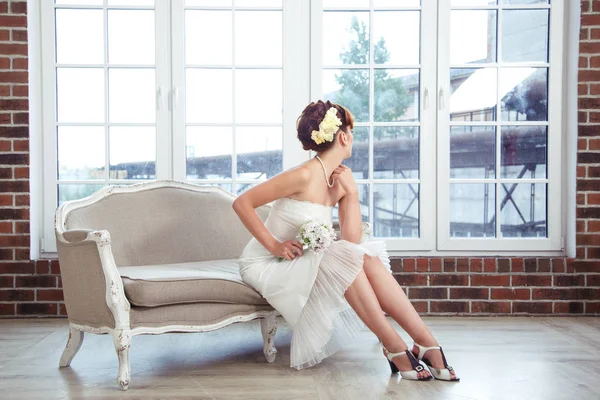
pixel 324 171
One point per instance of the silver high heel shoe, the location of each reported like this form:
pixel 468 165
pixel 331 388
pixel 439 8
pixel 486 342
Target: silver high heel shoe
pixel 412 374
pixel 442 374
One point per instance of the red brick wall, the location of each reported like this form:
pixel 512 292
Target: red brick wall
pixel 476 286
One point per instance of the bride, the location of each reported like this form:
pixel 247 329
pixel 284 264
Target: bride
pixel 328 297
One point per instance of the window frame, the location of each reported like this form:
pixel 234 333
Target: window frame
pixel 49 125
pixel 427 72
pixel 555 140
pixel 295 29
pixel 170 98
pixel 300 26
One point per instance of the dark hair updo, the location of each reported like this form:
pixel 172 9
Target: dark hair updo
pixel 312 116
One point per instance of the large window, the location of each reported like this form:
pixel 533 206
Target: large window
pixel 233 91
pixel 457 105
pixel 499 125
pixel 378 59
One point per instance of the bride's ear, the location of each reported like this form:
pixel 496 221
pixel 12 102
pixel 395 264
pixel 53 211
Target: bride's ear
pixel 343 138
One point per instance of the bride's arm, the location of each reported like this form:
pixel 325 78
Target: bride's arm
pixel 284 184
pixel 350 218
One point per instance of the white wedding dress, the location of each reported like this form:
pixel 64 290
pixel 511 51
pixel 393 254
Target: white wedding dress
pixel 309 291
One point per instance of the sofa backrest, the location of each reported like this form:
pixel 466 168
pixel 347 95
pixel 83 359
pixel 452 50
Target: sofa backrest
pixel 163 222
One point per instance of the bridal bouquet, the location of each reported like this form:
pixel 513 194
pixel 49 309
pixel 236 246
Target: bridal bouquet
pixel 315 236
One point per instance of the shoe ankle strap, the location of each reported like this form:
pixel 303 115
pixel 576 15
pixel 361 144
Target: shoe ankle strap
pixel 391 355
pixel 423 350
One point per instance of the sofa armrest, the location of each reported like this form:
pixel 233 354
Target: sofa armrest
pixel 76 235
pixel 93 289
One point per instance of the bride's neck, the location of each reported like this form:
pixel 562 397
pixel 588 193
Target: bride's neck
pixel 331 161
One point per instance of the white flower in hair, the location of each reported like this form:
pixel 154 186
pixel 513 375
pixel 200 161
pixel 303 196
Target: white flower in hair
pixel 327 128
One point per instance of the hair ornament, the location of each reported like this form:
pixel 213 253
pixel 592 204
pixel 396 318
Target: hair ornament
pixel 327 128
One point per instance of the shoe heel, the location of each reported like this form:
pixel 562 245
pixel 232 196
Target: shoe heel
pixel 393 367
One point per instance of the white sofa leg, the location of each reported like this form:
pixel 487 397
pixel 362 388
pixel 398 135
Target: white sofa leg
pixel 268 327
pixel 122 341
pixel 73 345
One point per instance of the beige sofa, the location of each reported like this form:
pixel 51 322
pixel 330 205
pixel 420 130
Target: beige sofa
pixel 154 257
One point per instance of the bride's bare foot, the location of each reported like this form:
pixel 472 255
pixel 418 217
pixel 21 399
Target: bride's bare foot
pixel 403 363
pixel 434 356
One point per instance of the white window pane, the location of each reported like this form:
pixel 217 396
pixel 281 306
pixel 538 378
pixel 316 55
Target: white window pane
pixel 513 2
pixel 209 152
pixel 473 94
pixel 524 151
pixel 396 95
pixel 209 95
pixel 474 3
pixel 258 38
pixel 80 94
pixel 396 3
pixel 396 210
pixel 258 3
pixel 127 45
pixel 80 2
pixel 396 37
pixel 258 95
pixel 359 162
pixel 472 36
pixel 525 35
pixel 137 3
pixel 68 192
pixel 363 199
pixel 472 210
pixel 396 152
pixel 350 88
pixel 526 214
pixel 79 36
pixel 472 152
pixel 208 37
pixel 345 3
pixel 132 152
pixel 259 151
pixel 345 38
pixel 211 3
pixel 524 93
pixel 81 152
pixel 132 95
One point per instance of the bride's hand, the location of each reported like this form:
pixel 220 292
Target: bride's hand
pixel 288 250
pixel 343 174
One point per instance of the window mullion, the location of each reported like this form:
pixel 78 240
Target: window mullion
pixel 164 126
pixel 297 78
pixel 48 125
pixel 177 69
pixel 443 125
pixel 429 114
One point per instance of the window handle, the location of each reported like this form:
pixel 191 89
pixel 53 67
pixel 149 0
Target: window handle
pixel 426 99
pixel 441 99
pixel 160 97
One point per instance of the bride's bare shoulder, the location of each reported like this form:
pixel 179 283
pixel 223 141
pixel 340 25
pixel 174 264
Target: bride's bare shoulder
pixel 301 172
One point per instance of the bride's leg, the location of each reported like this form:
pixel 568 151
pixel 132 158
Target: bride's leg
pixel 363 300
pixel 393 301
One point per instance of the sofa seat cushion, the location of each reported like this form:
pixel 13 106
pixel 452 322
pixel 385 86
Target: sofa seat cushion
pixel 215 281
pixel 210 316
